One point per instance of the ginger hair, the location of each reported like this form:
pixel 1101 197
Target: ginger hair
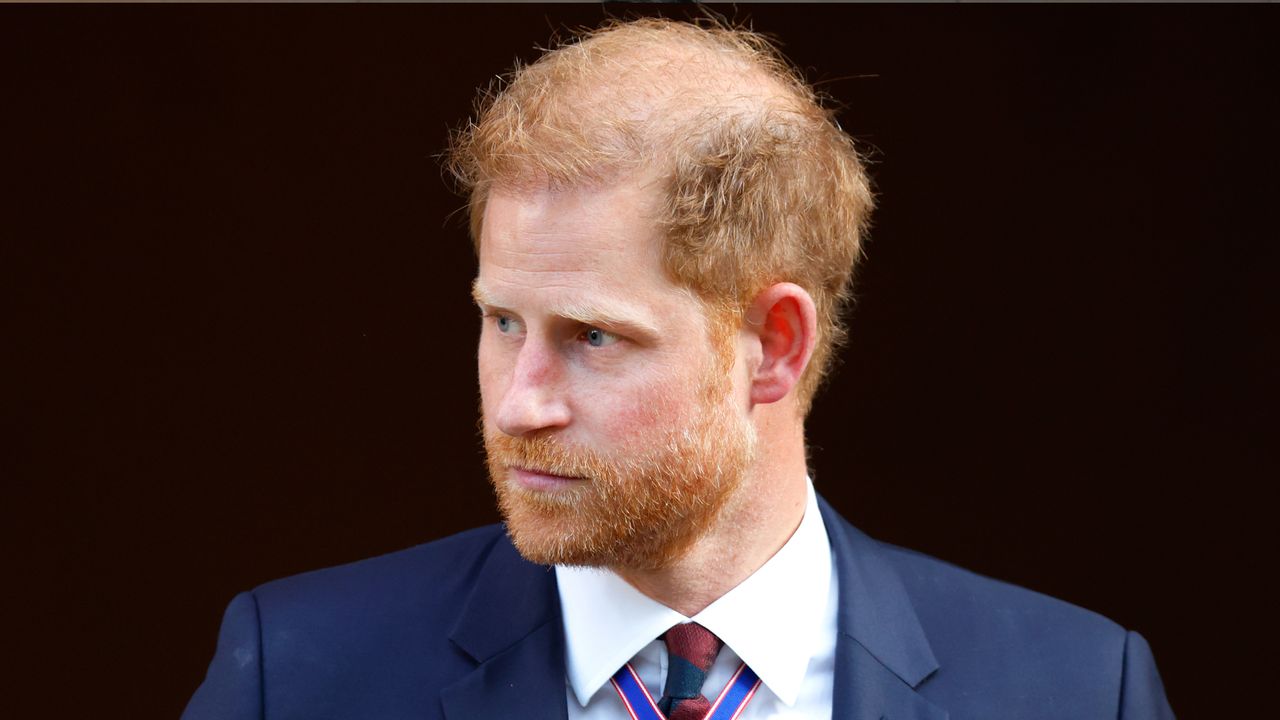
pixel 760 183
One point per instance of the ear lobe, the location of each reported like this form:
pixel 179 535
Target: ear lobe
pixel 784 320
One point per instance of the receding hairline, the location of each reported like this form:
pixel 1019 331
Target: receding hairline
pixel 636 89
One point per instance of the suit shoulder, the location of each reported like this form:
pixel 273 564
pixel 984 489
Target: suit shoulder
pixel 1043 657
pixel 430 575
pixel 1045 649
pixel 331 641
pixel 933 582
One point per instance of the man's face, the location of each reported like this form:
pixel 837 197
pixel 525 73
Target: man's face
pixel 613 429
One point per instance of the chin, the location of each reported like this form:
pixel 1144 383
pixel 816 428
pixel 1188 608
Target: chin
pixel 547 530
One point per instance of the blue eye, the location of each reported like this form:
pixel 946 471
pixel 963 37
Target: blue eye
pixel 599 338
pixel 506 324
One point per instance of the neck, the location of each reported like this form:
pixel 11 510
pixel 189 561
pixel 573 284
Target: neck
pixel 755 523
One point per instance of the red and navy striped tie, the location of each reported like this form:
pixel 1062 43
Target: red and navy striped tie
pixel 691 649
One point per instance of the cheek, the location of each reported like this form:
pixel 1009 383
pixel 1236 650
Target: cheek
pixel 643 407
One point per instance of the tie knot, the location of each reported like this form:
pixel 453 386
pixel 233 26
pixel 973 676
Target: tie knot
pixel 691 649
pixel 694 644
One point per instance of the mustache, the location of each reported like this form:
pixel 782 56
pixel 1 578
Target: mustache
pixel 542 455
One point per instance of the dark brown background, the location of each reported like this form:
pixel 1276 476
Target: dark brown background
pixel 240 344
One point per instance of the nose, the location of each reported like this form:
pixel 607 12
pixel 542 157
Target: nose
pixel 533 400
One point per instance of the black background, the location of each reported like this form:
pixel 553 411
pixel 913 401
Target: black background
pixel 239 343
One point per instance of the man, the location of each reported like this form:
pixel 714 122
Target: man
pixel 667 223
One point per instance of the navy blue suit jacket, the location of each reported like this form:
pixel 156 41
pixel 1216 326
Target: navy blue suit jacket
pixel 466 629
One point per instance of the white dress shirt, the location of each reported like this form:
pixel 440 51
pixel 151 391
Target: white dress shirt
pixel 780 621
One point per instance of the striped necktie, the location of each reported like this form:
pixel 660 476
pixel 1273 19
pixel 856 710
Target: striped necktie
pixel 691 649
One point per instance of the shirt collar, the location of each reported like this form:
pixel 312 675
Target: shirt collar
pixel 773 620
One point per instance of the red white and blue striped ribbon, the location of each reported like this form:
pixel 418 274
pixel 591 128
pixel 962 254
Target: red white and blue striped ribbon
pixel 728 706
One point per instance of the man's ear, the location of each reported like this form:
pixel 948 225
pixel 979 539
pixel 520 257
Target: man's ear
pixel 783 319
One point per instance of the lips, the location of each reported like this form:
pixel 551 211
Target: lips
pixel 542 480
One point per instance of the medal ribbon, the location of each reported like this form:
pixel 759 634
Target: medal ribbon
pixel 728 706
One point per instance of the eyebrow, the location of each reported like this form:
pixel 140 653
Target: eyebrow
pixel 621 318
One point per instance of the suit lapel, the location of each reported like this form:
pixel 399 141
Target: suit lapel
pixel 511 627
pixel 882 655
pixel 866 689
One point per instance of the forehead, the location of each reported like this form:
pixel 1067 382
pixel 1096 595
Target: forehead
pixel 574 245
